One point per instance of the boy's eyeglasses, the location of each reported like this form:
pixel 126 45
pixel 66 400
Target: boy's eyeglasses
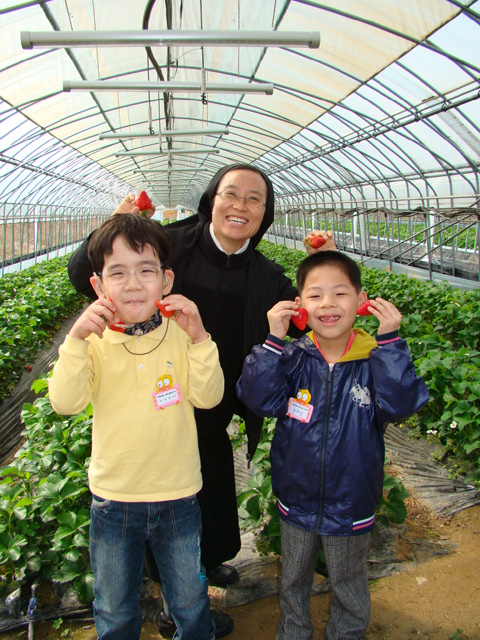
pixel 142 274
pixel 232 196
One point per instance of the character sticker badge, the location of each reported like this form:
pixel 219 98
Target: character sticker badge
pixel 299 408
pixel 166 393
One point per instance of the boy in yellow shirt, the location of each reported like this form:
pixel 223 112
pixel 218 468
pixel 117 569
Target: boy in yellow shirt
pixel 144 370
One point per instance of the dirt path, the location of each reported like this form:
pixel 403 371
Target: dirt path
pixel 432 601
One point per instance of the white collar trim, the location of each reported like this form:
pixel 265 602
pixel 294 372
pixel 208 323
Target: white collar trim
pixel 219 246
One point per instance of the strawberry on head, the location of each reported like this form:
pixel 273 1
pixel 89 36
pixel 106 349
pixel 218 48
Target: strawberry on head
pixel 143 202
pixel 317 241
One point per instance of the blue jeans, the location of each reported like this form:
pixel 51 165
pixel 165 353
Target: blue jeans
pixel 119 533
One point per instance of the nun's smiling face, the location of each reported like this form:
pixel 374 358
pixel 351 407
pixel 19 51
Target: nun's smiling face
pixel 238 208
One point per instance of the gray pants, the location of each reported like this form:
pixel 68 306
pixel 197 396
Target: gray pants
pixel 346 560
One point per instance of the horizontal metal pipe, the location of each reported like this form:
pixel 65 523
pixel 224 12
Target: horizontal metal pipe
pixel 204 38
pixel 166 133
pixel 166 170
pixel 181 87
pixel 164 153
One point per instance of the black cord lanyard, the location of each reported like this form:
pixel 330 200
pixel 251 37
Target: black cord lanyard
pixel 155 347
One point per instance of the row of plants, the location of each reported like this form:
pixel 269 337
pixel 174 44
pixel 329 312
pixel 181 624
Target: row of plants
pixel 442 234
pixel 44 499
pixel 402 230
pixel 33 305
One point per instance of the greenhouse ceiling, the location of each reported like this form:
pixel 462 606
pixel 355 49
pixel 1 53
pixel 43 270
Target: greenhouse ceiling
pixel 380 108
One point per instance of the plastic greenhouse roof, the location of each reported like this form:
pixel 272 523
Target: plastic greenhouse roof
pixel 384 112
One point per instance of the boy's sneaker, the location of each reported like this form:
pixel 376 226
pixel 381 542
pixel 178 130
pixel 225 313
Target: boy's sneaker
pixel 223 623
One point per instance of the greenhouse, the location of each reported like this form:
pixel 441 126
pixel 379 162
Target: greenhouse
pixel 363 119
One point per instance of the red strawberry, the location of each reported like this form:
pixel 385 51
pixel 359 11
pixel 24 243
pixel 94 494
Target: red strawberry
pixel 143 202
pixel 119 326
pixel 163 311
pixel 28 367
pixel 300 321
pixel 363 309
pixel 317 241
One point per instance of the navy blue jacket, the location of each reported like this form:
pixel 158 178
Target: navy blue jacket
pixel 328 451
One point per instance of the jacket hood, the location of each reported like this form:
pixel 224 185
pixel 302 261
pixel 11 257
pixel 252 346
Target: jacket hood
pixel 206 200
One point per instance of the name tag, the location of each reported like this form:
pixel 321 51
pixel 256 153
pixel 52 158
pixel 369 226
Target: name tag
pixel 299 411
pixel 167 397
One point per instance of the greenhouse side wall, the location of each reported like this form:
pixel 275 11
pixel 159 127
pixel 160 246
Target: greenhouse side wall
pixel 30 232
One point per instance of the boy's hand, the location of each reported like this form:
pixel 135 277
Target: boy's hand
pixel 328 246
pixel 187 316
pixel 279 317
pixel 388 315
pixel 128 206
pixel 94 319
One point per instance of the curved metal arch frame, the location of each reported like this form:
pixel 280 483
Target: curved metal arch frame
pixel 384 147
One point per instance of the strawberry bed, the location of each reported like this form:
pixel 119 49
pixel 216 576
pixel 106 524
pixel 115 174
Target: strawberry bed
pixel 33 305
pixel 44 499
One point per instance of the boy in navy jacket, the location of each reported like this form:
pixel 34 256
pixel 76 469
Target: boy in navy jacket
pixel 333 393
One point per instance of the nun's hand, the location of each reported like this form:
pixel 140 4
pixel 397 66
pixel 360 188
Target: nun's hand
pixel 329 244
pixel 128 206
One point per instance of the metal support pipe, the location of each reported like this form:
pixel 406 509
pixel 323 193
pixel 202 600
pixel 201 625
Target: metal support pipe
pixel 144 38
pixel 169 87
pixel 207 131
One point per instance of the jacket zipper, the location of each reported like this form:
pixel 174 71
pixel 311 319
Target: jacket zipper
pixel 324 443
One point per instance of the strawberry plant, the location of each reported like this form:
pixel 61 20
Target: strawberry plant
pixel 288 258
pixel 45 502
pixel 44 499
pixel 33 304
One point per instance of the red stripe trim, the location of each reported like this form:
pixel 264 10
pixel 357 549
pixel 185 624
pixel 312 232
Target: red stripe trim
pixel 387 341
pixel 274 344
pixel 365 524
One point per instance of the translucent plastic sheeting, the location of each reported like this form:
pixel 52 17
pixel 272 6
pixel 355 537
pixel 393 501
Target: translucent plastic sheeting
pixel 386 109
pixel 433 483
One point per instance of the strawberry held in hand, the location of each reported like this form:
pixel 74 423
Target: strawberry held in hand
pixel 363 309
pixel 118 326
pixel 317 241
pixel 163 311
pixel 143 202
pixel 300 321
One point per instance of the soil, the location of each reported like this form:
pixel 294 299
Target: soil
pixel 438 599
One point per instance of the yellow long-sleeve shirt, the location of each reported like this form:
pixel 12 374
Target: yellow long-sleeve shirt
pixel 144 437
